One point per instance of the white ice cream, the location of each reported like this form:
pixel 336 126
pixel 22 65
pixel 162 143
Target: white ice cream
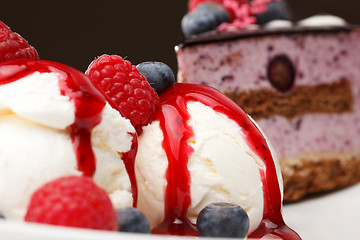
pixel 36 146
pixel 222 167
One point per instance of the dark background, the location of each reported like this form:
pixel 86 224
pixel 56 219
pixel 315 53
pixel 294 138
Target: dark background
pixel 75 32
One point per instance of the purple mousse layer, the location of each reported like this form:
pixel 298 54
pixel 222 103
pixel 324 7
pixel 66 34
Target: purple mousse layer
pixel 314 134
pixel 239 64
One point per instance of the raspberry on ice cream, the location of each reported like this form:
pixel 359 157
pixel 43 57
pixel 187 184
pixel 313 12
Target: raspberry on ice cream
pixel 201 149
pixel 54 123
pixel 125 88
pixel 72 201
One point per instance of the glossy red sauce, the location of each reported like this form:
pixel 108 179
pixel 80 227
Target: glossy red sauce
pixel 89 103
pixel 173 117
pixel 129 161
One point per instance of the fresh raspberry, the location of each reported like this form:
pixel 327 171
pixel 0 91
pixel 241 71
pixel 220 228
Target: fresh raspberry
pixel 13 46
pixel 72 201
pixel 125 88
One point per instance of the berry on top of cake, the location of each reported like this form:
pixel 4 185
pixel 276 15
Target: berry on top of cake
pixel 231 15
pixel 300 82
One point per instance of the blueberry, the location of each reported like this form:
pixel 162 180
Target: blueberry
pixel 158 74
pixel 281 72
pixel 220 13
pixel 194 23
pixel 223 220
pixel 2 216
pixel 206 17
pixel 132 220
pixel 276 10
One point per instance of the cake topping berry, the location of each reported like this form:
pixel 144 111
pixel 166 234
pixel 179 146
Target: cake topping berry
pixel 206 17
pixel 194 23
pixel 132 220
pixel 220 13
pixel 125 88
pixel 275 10
pixel 158 74
pixel 242 13
pixel 13 46
pixel 223 220
pixel 72 201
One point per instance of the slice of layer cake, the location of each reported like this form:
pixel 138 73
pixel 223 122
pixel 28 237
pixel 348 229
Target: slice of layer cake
pixel 302 86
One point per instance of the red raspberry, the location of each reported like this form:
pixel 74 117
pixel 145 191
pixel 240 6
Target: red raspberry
pixel 125 88
pixel 74 202
pixel 13 46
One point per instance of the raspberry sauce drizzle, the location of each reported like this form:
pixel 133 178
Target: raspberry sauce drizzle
pixel 89 103
pixel 129 161
pixel 177 193
pixel 173 120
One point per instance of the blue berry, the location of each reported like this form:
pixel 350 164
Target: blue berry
pixel 281 72
pixel 158 74
pixel 132 220
pixel 194 23
pixel 276 10
pixel 220 13
pixel 206 17
pixel 2 216
pixel 223 220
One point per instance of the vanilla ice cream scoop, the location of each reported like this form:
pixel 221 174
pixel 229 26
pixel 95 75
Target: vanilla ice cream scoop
pixel 54 123
pixel 201 149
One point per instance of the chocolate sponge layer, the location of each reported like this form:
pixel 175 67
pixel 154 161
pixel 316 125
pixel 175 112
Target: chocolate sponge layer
pixel 318 173
pixel 324 98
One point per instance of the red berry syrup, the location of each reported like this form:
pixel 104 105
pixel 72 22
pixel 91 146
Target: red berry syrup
pixel 173 117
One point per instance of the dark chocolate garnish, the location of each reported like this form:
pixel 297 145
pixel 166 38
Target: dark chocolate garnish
pixel 221 37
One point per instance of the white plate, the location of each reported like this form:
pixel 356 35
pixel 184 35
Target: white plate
pixel 26 231
pixel 334 215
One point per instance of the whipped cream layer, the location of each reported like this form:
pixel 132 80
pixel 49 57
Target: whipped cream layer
pixel 36 144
